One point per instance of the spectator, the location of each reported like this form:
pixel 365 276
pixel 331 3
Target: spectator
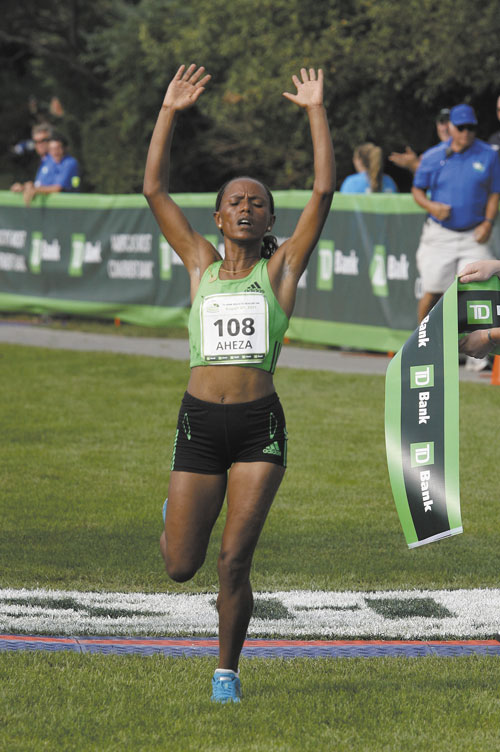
pixel 369 177
pixel 462 176
pixel 494 140
pixel 40 135
pixel 409 159
pixel 62 173
pixel 443 124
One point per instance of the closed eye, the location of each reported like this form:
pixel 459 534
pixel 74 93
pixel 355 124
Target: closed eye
pixel 257 201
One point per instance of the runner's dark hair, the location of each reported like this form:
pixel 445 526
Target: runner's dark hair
pixel 269 242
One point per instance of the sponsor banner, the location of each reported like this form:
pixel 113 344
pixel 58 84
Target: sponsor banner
pixel 479 305
pixel 98 254
pixel 422 412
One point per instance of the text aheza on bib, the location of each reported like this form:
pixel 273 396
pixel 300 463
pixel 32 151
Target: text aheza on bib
pixel 234 327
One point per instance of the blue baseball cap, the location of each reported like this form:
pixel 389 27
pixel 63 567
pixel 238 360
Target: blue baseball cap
pixel 463 114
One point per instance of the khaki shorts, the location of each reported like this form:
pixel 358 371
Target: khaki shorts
pixel 443 253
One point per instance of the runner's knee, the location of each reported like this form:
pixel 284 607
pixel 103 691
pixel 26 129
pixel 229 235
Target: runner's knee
pixel 233 569
pixel 179 569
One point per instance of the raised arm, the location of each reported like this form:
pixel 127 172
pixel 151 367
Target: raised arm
pixel 408 159
pixel 290 260
pixel 196 252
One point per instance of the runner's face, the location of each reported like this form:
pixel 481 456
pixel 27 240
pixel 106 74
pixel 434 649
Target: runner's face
pixel 244 212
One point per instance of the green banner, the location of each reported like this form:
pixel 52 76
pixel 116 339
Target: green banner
pixel 422 412
pixel 104 256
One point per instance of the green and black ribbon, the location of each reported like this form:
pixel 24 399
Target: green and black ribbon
pixel 422 412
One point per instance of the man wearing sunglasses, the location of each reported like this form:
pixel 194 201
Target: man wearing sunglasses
pixel 62 173
pixel 458 184
pixel 40 135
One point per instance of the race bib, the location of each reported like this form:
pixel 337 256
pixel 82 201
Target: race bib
pixel 234 328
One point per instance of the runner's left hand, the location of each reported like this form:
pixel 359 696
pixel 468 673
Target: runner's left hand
pixel 309 89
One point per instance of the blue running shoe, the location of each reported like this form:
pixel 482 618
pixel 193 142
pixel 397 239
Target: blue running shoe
pixel 164 510
pixel 226 688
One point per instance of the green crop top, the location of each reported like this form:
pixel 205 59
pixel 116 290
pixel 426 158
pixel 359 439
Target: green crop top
pixel 236 321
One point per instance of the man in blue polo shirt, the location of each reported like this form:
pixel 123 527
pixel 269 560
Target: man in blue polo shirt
pixel 458 184
pixel 60 173
pixel 41 133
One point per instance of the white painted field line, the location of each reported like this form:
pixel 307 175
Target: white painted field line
pixel 414 614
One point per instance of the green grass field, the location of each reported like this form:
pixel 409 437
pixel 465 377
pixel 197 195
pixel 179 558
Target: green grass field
pixel 85 446
pixel 65 702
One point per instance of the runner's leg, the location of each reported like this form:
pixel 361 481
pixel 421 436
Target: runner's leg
pixel 251 489
pixel 194 503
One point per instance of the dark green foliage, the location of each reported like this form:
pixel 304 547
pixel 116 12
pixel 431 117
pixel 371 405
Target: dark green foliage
pixel 390 67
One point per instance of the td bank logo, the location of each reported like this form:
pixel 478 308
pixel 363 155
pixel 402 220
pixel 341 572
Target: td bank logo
pixel 479 312
pixel 421 376
pixel 422 454
pixel 83 252
pixel 43 250
pixel 324 275
pixel 77 253
pixel 165 259
pixel 378 275
pixel 36 252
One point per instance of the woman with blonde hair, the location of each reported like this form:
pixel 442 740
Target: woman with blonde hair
pixel 369 176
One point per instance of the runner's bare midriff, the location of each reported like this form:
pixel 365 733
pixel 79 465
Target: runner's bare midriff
pixel 229 384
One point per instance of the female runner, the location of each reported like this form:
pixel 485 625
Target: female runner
pixel 231 434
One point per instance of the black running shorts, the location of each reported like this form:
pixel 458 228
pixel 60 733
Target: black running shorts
pixel 211 436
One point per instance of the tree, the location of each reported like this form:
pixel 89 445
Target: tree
pixel 390 66
pixel 44 53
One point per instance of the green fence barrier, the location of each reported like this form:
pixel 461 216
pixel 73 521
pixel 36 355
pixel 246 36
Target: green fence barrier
pixel 103 256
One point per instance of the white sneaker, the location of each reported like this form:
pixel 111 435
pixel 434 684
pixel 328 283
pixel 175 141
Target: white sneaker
pixel 477 364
